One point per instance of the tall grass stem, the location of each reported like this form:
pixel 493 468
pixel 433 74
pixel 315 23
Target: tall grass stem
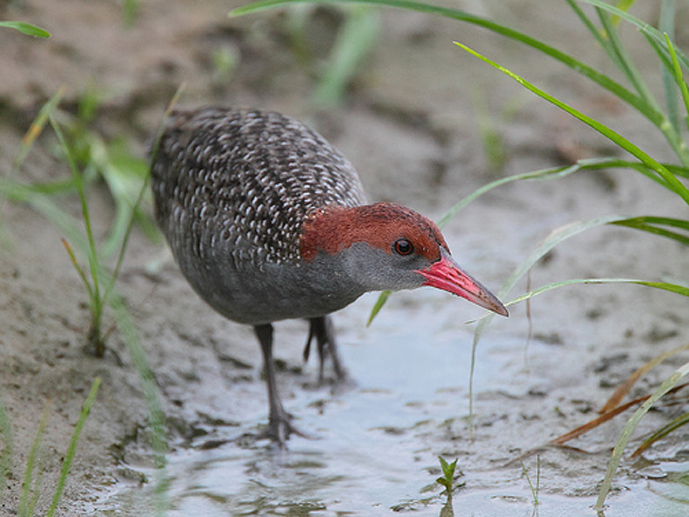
pixel 29 488
pixel 71 450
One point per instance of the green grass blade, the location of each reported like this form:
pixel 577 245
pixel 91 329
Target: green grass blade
pixel 652 224
pixel 48 208
pixel 629 428
pixel 563 233
pixel 354 42
pixel 624 62
pixel 37 126
pixel 624 5
pixel 556 237
pixel 659 50
pixel 130 11
pixel 555 172
pixel 610 42
pixel 667 26
pixel 110 285
pixel 78 181
pixel 28 489
pixel 80 270
pixel 613 136
pixel 38 484
pixel 72 449
pixel 382 298
pixel 7 448
pixel 51 188
pixel 161 127
pixel 672 68
pixel 534 488
pixel 659 43
pixel 26 28
pixel 668 221
pixel 671 426
pixel 677 170
pixel 657 231
pixel 124 175
pixel 588 23
pixel 679 78
pixel 664 286
pixel 661 433
pixel 591 164
pixel 156 416
pixel 550 173
pixel 94 266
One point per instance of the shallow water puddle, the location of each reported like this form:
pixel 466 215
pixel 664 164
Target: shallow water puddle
pixel 376 444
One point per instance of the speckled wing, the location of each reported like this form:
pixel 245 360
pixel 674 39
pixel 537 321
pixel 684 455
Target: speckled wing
pixel 245 180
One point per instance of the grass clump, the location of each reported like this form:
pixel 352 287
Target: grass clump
pixel 89 158
pixel 98 296
pixel 98 282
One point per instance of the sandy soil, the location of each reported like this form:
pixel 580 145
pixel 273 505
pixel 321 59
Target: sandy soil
pixel 411 124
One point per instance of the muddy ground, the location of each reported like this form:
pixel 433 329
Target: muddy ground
pixel 412 123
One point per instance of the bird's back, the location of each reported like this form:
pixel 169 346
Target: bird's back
pixel 233 187
pixel 246 177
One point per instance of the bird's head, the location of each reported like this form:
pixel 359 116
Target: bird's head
pixel 385 246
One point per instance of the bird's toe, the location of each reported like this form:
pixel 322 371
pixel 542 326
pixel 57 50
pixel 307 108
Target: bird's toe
pixel 280 428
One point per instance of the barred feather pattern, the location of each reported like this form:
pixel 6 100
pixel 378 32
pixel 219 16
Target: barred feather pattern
pixel 244 181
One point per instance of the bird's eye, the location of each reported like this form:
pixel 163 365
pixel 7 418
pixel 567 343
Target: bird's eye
pixel 403 247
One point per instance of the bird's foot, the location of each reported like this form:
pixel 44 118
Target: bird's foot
pixel 280 428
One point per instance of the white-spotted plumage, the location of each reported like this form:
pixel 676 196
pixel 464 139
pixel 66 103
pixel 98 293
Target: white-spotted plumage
pixel 246 177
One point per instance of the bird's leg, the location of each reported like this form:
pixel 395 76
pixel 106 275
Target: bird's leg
pixel 279 421
pixel 322 329
pixel 307 348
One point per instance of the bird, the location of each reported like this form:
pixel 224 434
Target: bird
pixel 268 221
